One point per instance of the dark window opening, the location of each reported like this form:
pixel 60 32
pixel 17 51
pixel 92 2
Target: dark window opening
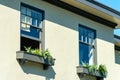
pixel 26 42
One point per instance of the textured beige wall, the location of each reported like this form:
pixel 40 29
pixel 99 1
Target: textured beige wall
pixel 60 33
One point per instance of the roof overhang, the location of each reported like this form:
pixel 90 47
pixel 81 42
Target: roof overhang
pixel 91 9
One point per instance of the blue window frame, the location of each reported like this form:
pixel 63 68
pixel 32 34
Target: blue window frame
pixel 86 44
pixel 31 21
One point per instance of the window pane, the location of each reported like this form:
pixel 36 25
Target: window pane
pixel 117 57
pixel 28 20
pixel 34 22
pixel 23 18
pixel 23 26
pixel 81 38
pixel 39 16
pixel 86 53
pixel 38 23
pixel 34 32
pixel 86 35
pixel 28 12
pixel 23 10
pixel 28 26
pixel 34 14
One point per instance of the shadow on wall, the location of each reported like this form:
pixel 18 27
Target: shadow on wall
pixel 86 77
pixel 37 69
pixel 15 4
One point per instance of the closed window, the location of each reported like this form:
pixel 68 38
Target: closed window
pixel 117 54
pixel 86 45
pixel 31 26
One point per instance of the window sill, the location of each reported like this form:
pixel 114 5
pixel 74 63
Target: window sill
pixel 23 57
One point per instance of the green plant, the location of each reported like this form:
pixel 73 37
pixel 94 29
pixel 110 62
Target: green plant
pixel 85 65
pixel 45 54
pixel 28 49
pixel 37 52
pixel 93 68
pixel 103 70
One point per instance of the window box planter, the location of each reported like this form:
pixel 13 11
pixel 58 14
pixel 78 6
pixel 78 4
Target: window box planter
pixel 82 71
pixel 23 57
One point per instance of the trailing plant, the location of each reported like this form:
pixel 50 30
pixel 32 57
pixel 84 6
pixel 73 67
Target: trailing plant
pixel 101 69
pixel 45 54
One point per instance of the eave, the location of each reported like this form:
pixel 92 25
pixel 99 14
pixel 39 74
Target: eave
pixel 82 8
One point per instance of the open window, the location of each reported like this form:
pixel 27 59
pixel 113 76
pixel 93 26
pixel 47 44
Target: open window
pixel 31 26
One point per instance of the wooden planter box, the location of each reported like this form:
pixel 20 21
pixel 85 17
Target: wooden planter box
pixel 23 56
pixel 84 71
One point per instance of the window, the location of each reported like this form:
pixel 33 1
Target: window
pixel 86 44
pixel 117 54
pixel 31 25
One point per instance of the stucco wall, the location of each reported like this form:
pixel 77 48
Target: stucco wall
pixel 60 33
pixel 9 38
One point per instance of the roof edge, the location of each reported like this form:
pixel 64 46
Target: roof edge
pixel 82 13
pixel 104 6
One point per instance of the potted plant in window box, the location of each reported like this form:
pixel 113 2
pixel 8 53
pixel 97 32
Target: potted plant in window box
pixel 35 55
pixel 92 70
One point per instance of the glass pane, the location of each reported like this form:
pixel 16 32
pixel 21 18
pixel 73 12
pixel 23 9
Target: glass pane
pixel 81 38
pixel 117 57
pixel 86 39
pixel 34 14
pixel 86 35
pixel 28 20
pixel 28 26
pixel 91 34
pixel 23 26
pixel 23 18
pixel 81 34
pixel 39 16
pixel 28 12
pixel 34 22
pixel 34 32
pixel 85 53
pixel 39 23
pixel 90 41
pixel 23 10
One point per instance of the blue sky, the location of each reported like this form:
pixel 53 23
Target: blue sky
pixel 115 4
